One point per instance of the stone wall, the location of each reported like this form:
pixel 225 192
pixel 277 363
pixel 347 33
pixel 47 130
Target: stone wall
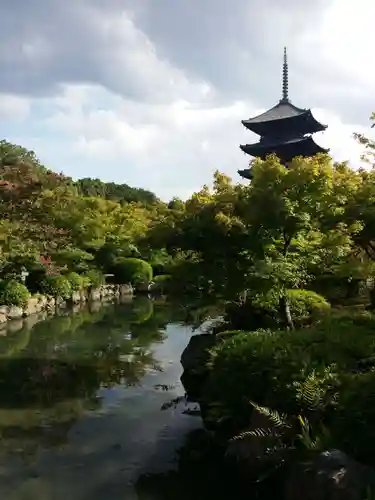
pixel 41 303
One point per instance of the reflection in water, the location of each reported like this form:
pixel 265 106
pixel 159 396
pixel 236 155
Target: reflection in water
pixel 80 400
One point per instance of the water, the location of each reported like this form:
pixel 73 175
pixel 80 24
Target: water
pixel 80 404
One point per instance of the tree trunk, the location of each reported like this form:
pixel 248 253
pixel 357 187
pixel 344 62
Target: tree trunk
pixel 285 312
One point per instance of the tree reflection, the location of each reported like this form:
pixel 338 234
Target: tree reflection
pixel 50 373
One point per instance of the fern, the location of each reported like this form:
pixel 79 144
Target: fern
pixel 278 419
pixel 309 391
pixel 259 433
pixel 313 393
pixel 317 391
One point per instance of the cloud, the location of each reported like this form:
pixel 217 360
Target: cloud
pixel 152 93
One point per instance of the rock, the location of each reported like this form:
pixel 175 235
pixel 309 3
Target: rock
pixel 331 475
pixel 125 290
pixel 60 302
pixel 4 310
pixel 76 297
pixel 43 301
pixel 95 294
pixel 34 306
pixel 196 353
pixel 194 359
pixel 15 312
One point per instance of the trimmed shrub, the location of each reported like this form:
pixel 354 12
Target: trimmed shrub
pixel 57 286
pixel 94 278
pixel 161 283
pixel 76 281
pixel 306 303
pixel 132 270
pixel 13 293
pixel 264 366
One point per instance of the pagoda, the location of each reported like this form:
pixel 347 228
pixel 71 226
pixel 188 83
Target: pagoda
pixel 284 130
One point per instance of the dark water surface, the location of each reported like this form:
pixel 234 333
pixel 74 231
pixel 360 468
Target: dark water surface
pixel 80 404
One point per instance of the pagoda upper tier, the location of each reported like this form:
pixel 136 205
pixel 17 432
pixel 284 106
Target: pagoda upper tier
pixel 282 119
pixel 284 129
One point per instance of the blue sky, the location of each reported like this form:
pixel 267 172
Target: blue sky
pixel 151 93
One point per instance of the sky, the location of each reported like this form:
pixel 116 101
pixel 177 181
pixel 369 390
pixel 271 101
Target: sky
pixel 152 92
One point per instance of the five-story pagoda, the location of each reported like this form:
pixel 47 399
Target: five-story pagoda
pixel 284 130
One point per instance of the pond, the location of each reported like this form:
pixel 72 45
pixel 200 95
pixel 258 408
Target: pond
pixel 81 398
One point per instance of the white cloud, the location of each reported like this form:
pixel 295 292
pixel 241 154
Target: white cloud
pixel 155 103
pixel 14 107
pixel 172 148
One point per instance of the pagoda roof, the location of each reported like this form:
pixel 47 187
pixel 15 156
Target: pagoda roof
pixel 246 173
pixel 284 114
pixel 283 109
pixel 286 150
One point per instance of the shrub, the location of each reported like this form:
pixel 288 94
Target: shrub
pixel 161 283
pixel 306 303
pixel 13 293
pixel 94 278
pixel 76 281
pixel 132 270
pixel 57 286
pixel 264 366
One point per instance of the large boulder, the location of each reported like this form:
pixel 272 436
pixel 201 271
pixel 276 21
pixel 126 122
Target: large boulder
pixel 194 360
pixel 332 475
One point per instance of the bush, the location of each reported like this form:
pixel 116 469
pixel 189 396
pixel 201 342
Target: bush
pixel 13 293
pixel 131 270
pixel 161 283
pixel 263 366
pixel 94 278
pixel 306 303
pixel 76 281
pixel 57 286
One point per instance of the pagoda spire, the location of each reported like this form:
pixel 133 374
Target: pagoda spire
pixel 285 97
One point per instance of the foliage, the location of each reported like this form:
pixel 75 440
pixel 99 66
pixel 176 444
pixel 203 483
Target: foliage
pixel 161 283
pixel 281 232
pixel 306 303
pixel 289 438
pixel 76 281
pixel 115 192
pixel 57 286
pixel 13 293
pixel 132 270
pixel 264 366
pixel 44 213
pixel 93 278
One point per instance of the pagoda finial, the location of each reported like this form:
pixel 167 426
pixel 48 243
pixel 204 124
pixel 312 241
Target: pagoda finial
pixel 285 77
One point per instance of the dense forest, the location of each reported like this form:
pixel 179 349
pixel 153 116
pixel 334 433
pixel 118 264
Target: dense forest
pixel 290 255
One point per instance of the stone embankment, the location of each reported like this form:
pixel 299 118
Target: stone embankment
pixel 41 303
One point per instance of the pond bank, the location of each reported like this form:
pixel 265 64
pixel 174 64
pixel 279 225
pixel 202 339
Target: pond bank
pixel 51 305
